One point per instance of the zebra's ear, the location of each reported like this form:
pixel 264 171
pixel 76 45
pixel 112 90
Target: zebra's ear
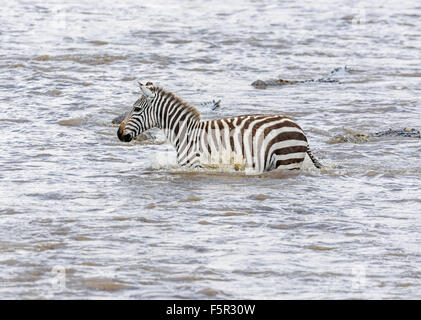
pixel 145 90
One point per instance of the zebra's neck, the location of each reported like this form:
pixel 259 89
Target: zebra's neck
pixel 176 118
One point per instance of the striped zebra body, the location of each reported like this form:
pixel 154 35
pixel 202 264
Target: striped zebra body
pixel 255 143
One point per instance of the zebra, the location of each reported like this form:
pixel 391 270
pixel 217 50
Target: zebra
pixel 254 143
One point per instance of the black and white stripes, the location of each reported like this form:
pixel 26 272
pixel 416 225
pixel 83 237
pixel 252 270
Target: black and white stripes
pixel 254 143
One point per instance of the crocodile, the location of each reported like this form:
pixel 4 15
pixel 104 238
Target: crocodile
pixel 359 137
pixel 149 136
pixel 350 136
pixel 260 84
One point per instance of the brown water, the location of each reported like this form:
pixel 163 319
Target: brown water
pixel 83 215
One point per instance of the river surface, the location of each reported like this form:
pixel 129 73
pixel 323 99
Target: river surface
pixel 83 215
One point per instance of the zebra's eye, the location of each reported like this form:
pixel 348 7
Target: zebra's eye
pixel 136 109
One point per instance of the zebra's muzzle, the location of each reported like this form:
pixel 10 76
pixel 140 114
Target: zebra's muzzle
pixel 124 137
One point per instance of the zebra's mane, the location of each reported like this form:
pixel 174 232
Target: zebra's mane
pixel 183 103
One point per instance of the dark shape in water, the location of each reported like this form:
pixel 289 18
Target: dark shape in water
pixel 260 84
pixel 213 105
pixel 120 118
pixel 405 132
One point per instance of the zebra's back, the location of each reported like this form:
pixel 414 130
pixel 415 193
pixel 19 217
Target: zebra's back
pixel 252 142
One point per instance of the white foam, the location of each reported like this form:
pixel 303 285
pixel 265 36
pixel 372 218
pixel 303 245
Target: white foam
pixel 164 159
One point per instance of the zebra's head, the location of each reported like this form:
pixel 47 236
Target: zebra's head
pixel 139 118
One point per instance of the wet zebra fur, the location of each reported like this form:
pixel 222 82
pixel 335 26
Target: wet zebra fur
pixel 255 143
